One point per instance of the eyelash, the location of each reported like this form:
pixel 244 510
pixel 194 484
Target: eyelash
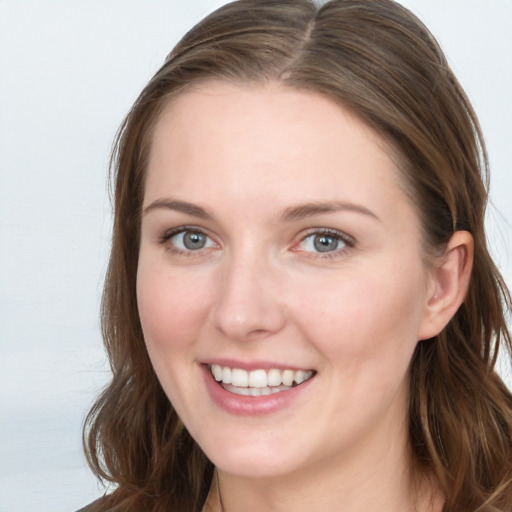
pixel 345 239
pixel 168 235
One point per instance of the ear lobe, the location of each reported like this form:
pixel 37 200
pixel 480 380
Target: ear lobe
pixel 450 276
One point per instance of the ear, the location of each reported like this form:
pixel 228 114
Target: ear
pixel 449 282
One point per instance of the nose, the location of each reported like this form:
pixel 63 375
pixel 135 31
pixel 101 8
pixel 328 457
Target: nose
pixel 248 303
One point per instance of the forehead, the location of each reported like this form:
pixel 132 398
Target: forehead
pixel 248 143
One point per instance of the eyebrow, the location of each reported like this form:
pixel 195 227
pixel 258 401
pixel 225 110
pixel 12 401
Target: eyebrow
pixel 290 214
pixel 179 206
pixel 294 213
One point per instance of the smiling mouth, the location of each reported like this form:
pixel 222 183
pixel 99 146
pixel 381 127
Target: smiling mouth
pixel 258 382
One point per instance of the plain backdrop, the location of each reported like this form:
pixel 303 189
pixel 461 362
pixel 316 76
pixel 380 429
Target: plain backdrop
pixel 69 71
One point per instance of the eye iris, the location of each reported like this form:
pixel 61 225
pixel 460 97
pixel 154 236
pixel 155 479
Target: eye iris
pixel 194 241
pixel 324 243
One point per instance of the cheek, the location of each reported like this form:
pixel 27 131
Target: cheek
pixel 371 319
pixel 171 308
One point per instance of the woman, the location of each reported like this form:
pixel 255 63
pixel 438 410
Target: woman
pixel 300 309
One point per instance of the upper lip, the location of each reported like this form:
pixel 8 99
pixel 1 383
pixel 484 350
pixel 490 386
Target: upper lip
pixel 254 365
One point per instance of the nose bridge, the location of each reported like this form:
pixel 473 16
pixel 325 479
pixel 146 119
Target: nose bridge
pixel 247 304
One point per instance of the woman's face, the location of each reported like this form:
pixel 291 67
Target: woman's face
pixel 278 246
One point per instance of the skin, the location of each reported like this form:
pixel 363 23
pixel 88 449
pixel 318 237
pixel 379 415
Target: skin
pixel 259 291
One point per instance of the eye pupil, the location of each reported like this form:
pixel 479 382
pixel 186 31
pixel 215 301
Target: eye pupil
pixel 325 243
pixel 194 241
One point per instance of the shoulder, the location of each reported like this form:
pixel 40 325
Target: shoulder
pixel 92 507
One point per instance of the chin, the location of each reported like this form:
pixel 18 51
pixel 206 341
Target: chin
pixel 252 467
pixel 252 459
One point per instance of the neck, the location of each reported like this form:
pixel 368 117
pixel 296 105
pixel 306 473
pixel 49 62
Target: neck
pixel 377 476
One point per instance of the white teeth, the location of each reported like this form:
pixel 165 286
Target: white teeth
pixel 299 376
pixel 258 382
pixel 254 391
pixel 239 378
pixel 243 391
pixel 226 375
pixel 287 377
pixel 258 379
pixel 217 372
pixel 274 377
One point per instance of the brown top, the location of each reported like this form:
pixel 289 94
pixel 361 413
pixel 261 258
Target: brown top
pixel 92 507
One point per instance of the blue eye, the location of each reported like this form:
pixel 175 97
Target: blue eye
pixel 190 240
pixel 322 243
pixel 326 241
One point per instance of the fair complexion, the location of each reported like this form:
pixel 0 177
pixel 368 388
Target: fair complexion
pixel 276 236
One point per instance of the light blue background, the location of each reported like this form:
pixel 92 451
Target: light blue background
pixel 69 71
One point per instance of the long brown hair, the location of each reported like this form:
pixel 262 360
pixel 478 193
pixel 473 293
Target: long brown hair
pixel 376 59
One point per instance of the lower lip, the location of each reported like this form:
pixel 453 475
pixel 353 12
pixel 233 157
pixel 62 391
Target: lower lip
pixel 251 405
